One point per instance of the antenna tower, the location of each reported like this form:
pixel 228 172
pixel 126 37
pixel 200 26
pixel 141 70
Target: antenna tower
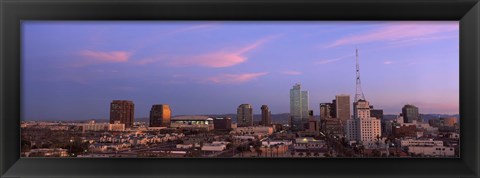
pixel 358 92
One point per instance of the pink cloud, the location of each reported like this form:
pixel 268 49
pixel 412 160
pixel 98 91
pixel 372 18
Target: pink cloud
pixel 219 59
pixel 215 60
pixel 387 62
pixel 292 72
pixel 236 78
pixel 398 31
pixel 326 61
pixel 194 27
pixel 110 56
pixel 90 57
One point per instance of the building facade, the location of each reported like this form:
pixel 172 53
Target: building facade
pixel 326 110
pixel 266 116
pixel 410 114
pixel 244 115
pixel 122 111
pixel 160 115
pixel 298 107
pixel 222 123
pixel 342 107
pixel 363 128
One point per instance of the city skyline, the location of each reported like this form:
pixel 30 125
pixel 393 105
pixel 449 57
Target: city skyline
pixel 88 64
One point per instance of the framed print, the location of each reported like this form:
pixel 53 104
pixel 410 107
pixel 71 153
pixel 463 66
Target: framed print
pixel 239 88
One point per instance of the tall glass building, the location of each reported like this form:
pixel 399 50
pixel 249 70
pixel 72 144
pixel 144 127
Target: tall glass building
pixel 298 107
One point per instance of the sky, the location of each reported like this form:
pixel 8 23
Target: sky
pixel 73 69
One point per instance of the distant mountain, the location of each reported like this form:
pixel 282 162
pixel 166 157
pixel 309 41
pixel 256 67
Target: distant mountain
pixel 425 117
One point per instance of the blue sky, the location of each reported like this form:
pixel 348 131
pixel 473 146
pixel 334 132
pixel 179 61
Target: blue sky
pixel 73 70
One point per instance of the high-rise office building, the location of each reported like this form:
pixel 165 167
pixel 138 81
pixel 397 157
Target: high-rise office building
pixel 377 113
pixel 410 113
pixel 123 112
pixel 326 110
pixel 266 116
pixel 244 115
pixel 298 107
pixel 361 109
pixel 160 115
pixel 363 128
pixel 313 125
pixel 342 107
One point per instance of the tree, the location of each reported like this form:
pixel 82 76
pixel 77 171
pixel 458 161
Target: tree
pixel 276 147
pixel 259 152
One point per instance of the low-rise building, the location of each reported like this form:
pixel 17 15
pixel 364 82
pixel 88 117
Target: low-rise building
pixel 432 150
pixel 259 131
pixel 192 122
pixel 116 127
pixel 423 143
pixel 92 126
pixel 213 147
pixel 47 152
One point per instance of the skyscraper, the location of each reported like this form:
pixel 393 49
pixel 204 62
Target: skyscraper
pixel 361 109
pixel 313 125
pixel 377 113
pixel 266 116
pixel 122 111
pixel 298 107
pixel 410 113
pixel 244 115
pixel 363 128
pixel 160 115
pixel 326 110
pixel 342 107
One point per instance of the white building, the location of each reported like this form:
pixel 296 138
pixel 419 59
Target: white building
pixel 363 128
pixel 184 146
pixel 92 126
pixel 213 147
pixel 423 143
pixel 192 122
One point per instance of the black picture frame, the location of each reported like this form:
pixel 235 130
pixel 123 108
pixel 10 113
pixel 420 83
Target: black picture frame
pixel 12 12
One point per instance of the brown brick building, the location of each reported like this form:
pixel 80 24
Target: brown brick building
pixel 122 111
pixel 160 115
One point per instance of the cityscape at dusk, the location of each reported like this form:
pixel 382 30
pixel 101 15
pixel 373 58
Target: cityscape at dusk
pixel 240 89
pixel 77 67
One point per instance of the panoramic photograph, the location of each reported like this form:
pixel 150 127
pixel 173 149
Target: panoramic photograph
pixel 240 89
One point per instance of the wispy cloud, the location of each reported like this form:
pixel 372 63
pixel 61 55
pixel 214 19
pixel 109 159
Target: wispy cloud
pixel 326 61
pixel 90 57
pixel 235 78
pixel 292 72
pixel 108 56
pixel 398 31
pixel 194 27
pixel 387 62
pixel 155 38
pixel 223 58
